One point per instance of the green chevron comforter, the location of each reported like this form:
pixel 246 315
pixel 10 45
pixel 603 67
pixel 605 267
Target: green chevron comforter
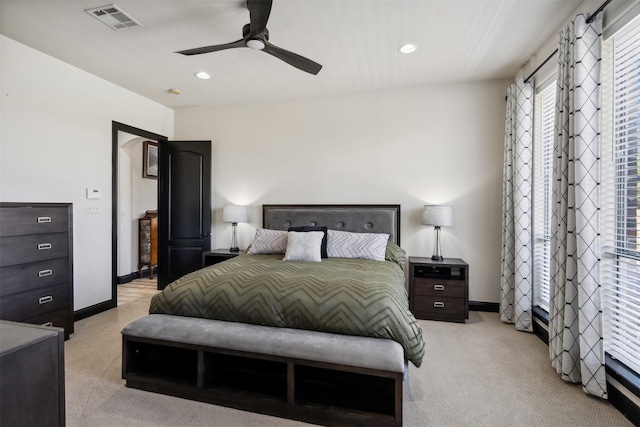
pixel 337 295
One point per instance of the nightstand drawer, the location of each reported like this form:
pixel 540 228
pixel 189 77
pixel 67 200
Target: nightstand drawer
pixel 440 288
pixel 430 306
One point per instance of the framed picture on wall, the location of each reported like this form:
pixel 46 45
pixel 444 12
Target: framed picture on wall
pixel 150 160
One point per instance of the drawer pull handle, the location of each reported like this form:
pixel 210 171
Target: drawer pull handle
pixel 438 304
pixel 438 287
pixel 45 273
pixel 47 324
pixel 43 246
pixel 45 300
pixel 44 219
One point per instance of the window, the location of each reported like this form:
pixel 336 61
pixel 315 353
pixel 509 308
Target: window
pixel 621 199
pixel 543 168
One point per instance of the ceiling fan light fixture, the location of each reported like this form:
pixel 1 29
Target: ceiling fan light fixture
pixel 202 75
pixel 407 48
pixel 255 44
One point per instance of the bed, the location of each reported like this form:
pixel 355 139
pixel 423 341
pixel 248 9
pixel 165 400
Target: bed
pixel 319 337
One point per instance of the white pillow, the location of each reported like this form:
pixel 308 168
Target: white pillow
pixel 268 242
pixel 304 246
pixel 343 244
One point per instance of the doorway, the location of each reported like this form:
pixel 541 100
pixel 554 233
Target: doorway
pixel 126 141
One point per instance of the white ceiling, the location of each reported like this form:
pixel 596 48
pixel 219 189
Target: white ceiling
pixel 356 41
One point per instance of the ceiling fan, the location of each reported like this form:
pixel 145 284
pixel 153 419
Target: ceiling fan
pixel 255 35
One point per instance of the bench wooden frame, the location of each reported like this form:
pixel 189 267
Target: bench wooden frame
pixel 306 390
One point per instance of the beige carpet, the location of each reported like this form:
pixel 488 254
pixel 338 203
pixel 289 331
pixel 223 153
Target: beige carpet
pixel 482 373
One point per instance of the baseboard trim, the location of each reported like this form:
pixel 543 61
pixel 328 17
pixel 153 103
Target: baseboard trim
pixel 492 307
pixel 128 278
pixel 83 313
pixel 121 280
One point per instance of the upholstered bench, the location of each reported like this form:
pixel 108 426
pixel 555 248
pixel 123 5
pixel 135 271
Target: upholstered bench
pixel 306 375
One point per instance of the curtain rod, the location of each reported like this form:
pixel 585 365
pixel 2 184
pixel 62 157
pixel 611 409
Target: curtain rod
pixel 589 21
pixel 597 11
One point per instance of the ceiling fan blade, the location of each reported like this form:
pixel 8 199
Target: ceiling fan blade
pixel 259 11
pixel 214 48
pixel 291 58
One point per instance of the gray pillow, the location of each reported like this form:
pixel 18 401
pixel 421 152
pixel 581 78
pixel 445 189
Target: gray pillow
pixel 323 248
pixel 304 246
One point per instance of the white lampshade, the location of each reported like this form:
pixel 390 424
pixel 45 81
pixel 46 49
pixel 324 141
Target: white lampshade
pixel 437 215
pixel 234 213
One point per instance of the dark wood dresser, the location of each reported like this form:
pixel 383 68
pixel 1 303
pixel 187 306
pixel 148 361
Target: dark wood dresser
pixel 36 264
pixel 439 290
pixel 148 242
pixel 32 390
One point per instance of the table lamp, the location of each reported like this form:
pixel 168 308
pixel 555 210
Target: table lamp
pixel 234 214
pixel 438 216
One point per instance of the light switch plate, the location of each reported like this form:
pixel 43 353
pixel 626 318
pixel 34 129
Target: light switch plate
pixel 93 207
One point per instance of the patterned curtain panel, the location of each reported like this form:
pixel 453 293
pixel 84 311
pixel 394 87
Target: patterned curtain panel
pixel 516 280
pixel 575 325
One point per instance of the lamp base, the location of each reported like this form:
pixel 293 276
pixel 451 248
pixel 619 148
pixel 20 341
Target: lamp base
pixel 437 252
pixel 234 238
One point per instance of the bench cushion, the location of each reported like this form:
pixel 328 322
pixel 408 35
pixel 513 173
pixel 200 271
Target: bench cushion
pixel 363 352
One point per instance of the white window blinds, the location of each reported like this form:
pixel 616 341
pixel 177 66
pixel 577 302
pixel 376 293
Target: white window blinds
pixel 621 262
pixel 543 169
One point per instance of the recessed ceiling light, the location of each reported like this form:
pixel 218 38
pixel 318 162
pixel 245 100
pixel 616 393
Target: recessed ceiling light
pixel 407 48
pixel 202 75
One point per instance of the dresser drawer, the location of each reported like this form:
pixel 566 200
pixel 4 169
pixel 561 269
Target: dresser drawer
pixel 17 221
pixel 436 307
pixel 57 318
pixel 440 288
pixel 25 277
pixel 25 249
pixel 31 304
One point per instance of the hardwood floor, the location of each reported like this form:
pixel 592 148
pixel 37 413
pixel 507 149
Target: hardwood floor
pixel 139 288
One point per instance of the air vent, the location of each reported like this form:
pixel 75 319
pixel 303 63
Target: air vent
pixel 114 17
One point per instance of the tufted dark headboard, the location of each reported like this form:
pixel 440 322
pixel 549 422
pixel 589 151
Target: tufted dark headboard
pixel 353 218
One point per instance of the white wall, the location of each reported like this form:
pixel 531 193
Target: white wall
pixel 55 141
pixel 413 146
pixel 432 144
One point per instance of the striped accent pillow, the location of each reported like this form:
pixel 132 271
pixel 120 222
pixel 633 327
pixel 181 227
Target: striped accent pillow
pixel 268 242
pixel 343 244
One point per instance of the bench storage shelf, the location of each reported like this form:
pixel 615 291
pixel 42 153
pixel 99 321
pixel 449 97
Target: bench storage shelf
pixel 302 389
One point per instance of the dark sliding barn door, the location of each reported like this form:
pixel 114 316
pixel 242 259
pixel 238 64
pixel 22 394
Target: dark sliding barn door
pixel 184 207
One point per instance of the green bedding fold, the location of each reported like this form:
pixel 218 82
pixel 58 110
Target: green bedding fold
pixel 337 295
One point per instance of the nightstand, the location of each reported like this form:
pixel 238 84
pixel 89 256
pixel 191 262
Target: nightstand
pixel 439 290
pixel 218 255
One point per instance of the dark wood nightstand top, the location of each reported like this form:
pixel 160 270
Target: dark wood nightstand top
pixel 224 252
pixel 445 262
pixel 218 255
